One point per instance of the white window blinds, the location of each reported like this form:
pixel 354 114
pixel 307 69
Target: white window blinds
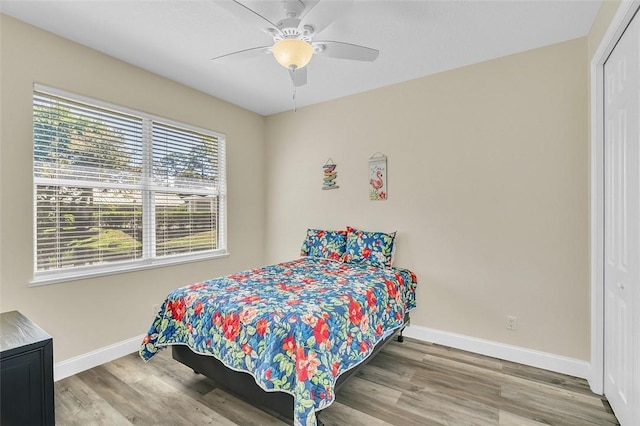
pixel 117 189
pixel 185 181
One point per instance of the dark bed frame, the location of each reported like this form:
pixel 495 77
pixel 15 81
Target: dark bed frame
pixel 244 385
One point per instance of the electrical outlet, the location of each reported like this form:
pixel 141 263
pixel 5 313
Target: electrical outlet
pixel 512 323
pixel 154 309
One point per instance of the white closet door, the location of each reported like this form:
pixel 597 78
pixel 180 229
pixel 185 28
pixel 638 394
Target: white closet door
pixel 622 224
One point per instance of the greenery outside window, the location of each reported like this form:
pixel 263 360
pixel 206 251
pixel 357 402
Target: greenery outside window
pixel 117 190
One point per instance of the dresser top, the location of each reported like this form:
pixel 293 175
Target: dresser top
pixel 16 330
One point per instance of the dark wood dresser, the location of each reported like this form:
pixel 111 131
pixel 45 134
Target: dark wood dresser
pixel 26 372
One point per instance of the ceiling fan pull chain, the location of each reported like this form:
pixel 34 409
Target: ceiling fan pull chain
pixel 295 105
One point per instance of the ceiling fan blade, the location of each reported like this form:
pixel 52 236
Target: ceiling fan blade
pixel 308 5
pixel 299 76
pixel 324 13
pixel 340 50
pixel 244 54
pixel 249 15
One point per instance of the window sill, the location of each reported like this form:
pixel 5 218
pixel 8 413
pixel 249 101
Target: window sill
pixel 59 276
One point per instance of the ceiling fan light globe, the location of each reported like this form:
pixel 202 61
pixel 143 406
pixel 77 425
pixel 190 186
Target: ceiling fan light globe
pixel 292 53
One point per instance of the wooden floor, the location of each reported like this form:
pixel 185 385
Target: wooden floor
pixel 410 383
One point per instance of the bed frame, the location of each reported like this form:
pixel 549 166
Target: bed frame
pixel 245 386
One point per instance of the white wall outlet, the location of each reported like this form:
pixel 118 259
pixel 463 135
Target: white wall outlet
pixel 512 323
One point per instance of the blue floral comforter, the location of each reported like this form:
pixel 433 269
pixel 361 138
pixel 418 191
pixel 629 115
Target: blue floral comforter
pixel 295 326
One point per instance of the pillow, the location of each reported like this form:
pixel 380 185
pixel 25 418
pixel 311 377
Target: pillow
pixel 373 248
pixel 324 244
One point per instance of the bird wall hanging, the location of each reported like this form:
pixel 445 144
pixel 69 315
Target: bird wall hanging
pixel 378 177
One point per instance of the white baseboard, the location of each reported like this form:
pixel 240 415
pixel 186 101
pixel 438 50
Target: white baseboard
pixel 533 358
pixel 530 357
pixel 92 359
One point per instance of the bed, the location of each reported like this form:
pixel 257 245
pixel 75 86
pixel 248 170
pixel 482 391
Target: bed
pixel 296 329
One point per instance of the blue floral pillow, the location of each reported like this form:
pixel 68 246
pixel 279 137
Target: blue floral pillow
pixel 324 244
pixel 374 248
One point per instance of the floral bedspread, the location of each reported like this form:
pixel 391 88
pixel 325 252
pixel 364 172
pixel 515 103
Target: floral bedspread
pixel 295 326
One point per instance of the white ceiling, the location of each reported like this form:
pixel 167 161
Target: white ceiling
pixel 177 39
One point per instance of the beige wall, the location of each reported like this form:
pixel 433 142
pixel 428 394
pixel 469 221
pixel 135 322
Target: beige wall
pixel 601 23
pixel 86 315
pixel 488 190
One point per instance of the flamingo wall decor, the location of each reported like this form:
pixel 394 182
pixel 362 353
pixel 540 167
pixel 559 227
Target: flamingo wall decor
pixel 378 177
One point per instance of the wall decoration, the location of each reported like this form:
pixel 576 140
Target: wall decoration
pixel 330 175
pixel 378 177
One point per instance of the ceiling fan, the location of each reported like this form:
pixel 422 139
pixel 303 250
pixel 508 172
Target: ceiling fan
pixel 293 37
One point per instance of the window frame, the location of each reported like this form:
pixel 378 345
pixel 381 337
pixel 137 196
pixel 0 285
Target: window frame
pixel 147 261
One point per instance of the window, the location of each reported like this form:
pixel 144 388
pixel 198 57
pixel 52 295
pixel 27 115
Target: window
pixel 117 190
